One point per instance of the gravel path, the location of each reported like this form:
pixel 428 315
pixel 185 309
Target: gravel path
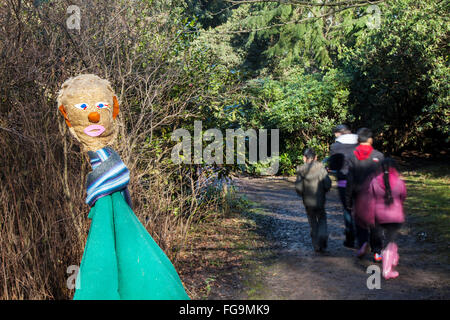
pixel 295 271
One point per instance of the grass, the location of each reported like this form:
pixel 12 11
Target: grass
pixel 428 202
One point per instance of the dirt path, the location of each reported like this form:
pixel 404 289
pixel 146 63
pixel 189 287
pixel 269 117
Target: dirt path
pixel 294 271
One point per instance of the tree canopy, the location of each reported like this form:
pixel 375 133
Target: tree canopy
pixel 379 64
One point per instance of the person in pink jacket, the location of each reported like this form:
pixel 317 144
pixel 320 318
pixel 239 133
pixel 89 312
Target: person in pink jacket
pixel 385 196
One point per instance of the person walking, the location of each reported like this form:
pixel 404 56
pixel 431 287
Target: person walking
pixel 312 184
pixel 362 166
pixel 340 151
pixel 386 195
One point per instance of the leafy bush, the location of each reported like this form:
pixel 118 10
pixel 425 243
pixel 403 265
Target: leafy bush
pixel 305 107
pixel 401 75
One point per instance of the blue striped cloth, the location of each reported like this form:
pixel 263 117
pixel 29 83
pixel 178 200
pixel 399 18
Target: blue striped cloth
pixel 109 175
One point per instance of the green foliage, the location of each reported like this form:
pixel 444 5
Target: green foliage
pixel 210 13
pixel 305 107
pixel 401 75
pixel 428 202
pixel 395 74
pixel 273 37
pixel 286 165
pixel 281 41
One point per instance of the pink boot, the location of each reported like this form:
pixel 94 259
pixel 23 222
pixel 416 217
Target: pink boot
pixel 396 257
pixel 390 260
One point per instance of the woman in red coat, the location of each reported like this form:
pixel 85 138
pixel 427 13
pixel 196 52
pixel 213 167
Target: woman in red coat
pixel 385 197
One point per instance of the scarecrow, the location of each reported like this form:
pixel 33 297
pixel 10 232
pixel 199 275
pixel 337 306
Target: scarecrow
pixel 120 260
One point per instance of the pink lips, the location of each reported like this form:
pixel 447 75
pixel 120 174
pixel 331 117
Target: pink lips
pixel 94 130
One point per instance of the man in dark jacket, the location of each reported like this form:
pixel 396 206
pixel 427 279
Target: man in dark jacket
pixel 362 166
pixel 312 185
pixel 341 150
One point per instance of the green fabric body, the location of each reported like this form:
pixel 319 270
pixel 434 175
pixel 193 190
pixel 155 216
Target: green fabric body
pixel 121 260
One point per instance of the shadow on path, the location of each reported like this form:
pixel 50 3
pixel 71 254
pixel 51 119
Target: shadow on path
pixel 293 270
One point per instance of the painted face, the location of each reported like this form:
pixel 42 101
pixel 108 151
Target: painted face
pixel 90 113
pixel 94 130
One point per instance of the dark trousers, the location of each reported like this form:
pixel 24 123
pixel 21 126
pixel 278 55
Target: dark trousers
pixel 375 235
pixel 317 219
pixel 348 219
pixel 390 231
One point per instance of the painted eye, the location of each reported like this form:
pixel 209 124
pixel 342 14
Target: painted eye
pixel 102 105
pixel 81 106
